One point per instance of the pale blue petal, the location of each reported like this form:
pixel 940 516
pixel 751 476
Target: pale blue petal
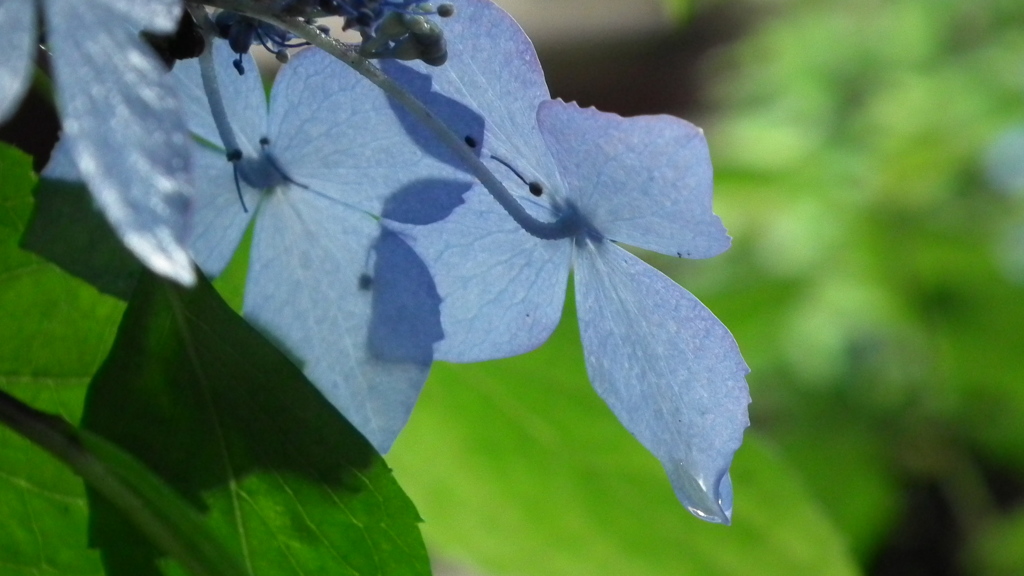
pixel 644 181
pixel 670 371
pixel 306 289
pixel 18 37
pixel 153 15
pixel 243 94
pixel 493 71
pixel 194 104
pixel 218 218
pixel 332 130
pixel 123 124
pixel 460 118
pixel 502 289
pixel 61 165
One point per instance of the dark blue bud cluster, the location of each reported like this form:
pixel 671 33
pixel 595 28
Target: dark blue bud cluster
pixel 362 15
pixel 242 32
pixel 400 29
pixel 392 28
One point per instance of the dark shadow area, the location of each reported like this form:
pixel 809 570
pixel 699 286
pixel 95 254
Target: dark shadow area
pixel 425 202
pixel 34 127
pixel 405 319
pixel 936 530
pixel 925 542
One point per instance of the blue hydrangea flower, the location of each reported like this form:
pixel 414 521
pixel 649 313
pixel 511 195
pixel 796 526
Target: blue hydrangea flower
pixel 671 372
pixel 121 120
pixel 320 166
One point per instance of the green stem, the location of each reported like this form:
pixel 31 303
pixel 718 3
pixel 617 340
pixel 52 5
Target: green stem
pixel 50 432
pixel 135 492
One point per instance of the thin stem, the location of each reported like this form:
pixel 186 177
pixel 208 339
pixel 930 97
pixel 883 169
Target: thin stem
pixel 208 72
pixel 52 433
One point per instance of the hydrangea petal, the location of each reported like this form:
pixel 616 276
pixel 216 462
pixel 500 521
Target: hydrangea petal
pixel 61 165
pixel 502 289
pixel 218 218
pixel 18 36
pixel 644 181
pixel 306 288
pixel 243 95
pixel 335 133
pixel 670 371
pixel 159 16
pixel 492 70
pixel 122 121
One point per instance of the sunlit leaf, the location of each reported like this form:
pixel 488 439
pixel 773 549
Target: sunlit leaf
pixel 55 331
pixel 199 396
pixel 154 508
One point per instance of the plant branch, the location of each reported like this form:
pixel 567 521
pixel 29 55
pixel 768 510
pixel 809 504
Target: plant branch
pixel 162 515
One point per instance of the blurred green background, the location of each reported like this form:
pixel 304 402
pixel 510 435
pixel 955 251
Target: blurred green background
pixel 869 160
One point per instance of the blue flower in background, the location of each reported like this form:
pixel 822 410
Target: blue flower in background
pixel 320 167
pixel 668 368
pixel 120 118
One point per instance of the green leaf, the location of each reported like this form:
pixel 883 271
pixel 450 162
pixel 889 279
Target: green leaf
pixel 66 229
pixel 65 221
pixel 231 282
pixel 203 399
pixel 998 548
pixel 55 332
pixel 678 9
pixel 846 464
pixel 519 468
pixel 43 512
pixel 134 490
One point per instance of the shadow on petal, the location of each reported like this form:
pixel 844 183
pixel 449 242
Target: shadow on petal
pixel 460 118
pixel 425 202
pixel 405 318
